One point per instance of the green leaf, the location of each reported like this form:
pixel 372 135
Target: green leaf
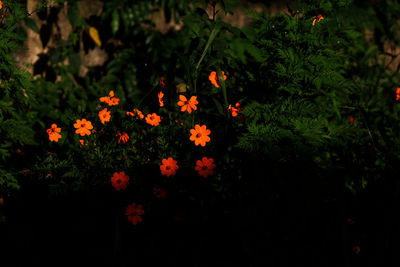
pixel 213 34
pixel 115 21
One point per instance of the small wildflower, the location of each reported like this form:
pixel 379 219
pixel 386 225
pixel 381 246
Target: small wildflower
pixel 214 78
pixel 200 135
pixel 317 19
pixel 160 98
pixel 169 167
pixel 110 99
pixel 120 180
pixel 159 192
pixel 83 127
pixel 234 110
pixel 205 167
pixel 82 142
pixel 187 105
pixel 153 119
pixel 122 137
pixel 398 93
pixel 134 213
pixel 54 133
pixel 352 120
pixel 104 115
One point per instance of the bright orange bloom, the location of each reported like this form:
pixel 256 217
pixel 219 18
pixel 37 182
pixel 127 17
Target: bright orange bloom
pixel 120 180
pixel 205 167
pixel 159 192
pixel 398 93
pixel 104 115
pixel 214 78
pixel 83 127
pixel 153 119
pixel 160 98
pixel 169 167
pixel 134 213
pixel 1 4
pixel 110 99
pixel 124 137
pixel 134 113
pixel 54 133
pixel 317 19
pixel 200 135
pixel 187 105
pixel 234 110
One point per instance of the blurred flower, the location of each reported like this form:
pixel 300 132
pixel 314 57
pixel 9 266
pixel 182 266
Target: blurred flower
pixel 1 199
pixel 83 127
pixel 1 4
pixel 205 167
pixel 356 249
pixel 398 93
pixel 317 19
pixel 110 99
pixel 134 213
pixel 123 137
pixel 54 133
pixel 153 119
pixel 82 142
pixel 120 180
pixel 214 78
pixel 200 135
pixel 159 192
pixel 169 167
pixel 104 115
pixel 352 120
pixel 162 83
pixel 234 110
pixel 134 113
pixel 160 100
pixel 187 105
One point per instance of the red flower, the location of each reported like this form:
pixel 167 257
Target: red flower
pixel 159 192
pixel 54 133
pixel 234 110
pixel 120 180
pixel 1 201
pixel 169 167
pixel 134 213
pixel 122 137
pixel 317 19
pixel 162 83
pixel 205 167
pixel 398 93
pixel 187 105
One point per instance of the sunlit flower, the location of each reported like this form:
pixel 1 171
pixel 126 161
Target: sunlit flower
pixel 83 127
pixel 200 135
pixel 54 133
pixel 123 137
pixel 398 93
pixel 134 213
pixel 234 110
pixel 153 119
pixel 160 98
pixel 214 78
pixel 120 180
pixel 205 166
pixel 169 167
pixel 104 115
pixel 159 192
pixel 317 19
pixel 187 105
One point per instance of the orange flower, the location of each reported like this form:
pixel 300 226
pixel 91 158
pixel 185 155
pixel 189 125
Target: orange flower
pixel 169 167
pixel 160 100
pixel 54 133
pixel 234 110
pixel 120 180
pixel 104 115
pixel 356 249
pixel 187 105
pixel 205 167
pixel 110 99
pixel 1 199
pixel 214 78
pixel 352 120
pixel 153 119
pixel 200 135
pixel 398 93
pixel 317 19
pixel 82 142
pixel 124 137
pixel 159 192
pixel 83 127
pixel 134 213
pixel 134 113
pixel 1 4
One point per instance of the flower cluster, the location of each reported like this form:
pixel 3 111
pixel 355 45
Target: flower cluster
pixel 110 99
